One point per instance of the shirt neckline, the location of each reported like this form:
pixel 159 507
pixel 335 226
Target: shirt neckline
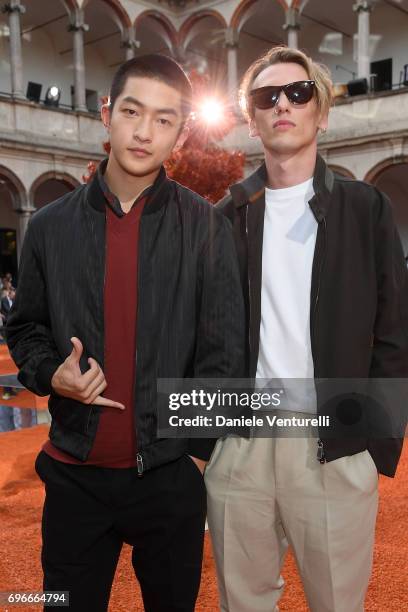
pixel 286 195
pixel 111 199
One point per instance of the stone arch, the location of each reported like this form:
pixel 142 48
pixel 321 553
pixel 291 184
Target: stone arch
pixel 118 12
pixel 70 5
pixel 13 199
pixel 342 171
pixel 383 165
pixel 389 176
pixel 188 26
pixel 165 27
pixel 16 187
pixel 68 181
pixel 244 9
pixel 297 3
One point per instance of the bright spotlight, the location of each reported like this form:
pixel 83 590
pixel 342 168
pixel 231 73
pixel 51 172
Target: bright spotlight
pixel 211 111
pixel 52 96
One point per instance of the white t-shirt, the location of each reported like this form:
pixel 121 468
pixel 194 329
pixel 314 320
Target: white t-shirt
pixel 289 240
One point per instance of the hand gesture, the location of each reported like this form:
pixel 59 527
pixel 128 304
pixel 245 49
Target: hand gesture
pixel 69 381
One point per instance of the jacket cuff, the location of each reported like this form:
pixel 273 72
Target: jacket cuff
pixel 45 372
pixel 201 448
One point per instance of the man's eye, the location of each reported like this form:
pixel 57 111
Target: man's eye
pixel 164 121
pixel 131 112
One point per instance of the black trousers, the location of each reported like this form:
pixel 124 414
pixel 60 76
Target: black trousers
pixel 90 511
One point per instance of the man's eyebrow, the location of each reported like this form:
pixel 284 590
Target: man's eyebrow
pixel 161 111
pixel 132 100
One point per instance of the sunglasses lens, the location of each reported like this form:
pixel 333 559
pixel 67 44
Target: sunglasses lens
pixel 266 97
pixel 300 92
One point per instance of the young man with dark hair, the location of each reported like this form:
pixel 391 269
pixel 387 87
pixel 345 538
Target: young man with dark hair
pixel 326 291
pixel 108 478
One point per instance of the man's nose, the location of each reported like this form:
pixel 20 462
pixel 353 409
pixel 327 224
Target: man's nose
pixel 282 104
pixel 143 131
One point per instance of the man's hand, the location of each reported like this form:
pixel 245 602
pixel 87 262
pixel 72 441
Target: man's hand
pixel 69 381
pixel 200 463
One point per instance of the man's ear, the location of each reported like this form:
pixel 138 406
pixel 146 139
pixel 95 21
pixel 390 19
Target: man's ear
pixel 323 122
pixel 182 137
pixel 105 115
pixel 253 130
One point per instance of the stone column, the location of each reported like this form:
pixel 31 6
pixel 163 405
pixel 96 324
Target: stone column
pixel 363 9
pixel 129 43
pixel 179 54
pixel 231 44
pixel 78 27
pixel 292 27
pixel 14 9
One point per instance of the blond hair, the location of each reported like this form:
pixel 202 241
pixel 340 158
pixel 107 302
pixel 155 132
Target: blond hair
pixel 318 73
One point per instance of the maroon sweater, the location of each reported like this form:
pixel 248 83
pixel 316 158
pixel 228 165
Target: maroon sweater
pixel 115 441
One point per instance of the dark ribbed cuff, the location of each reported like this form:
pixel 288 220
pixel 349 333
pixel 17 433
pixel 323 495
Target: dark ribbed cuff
pixel 45 372
pixel 201 448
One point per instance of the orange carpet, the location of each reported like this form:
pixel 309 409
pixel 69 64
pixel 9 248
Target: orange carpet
pixel 25 399
pixel 21 495
pixel 21 498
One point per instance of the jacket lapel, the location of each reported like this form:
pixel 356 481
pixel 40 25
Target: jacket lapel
pixel 255 213
pixel 249 198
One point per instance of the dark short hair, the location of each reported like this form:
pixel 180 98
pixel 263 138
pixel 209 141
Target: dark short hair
pixel 154 66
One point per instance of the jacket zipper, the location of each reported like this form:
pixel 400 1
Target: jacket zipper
pixel 139 462
pixel 249 282
pixel 139 456
pixel 320 451
pixel 321 456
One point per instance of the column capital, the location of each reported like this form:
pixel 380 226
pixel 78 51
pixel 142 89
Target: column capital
pixel 130 43
pixel 292 19
pixel 26 212
pixel 77 22
pixel 13 7
pixel 363 5
pixel 231 38
pixel 77 26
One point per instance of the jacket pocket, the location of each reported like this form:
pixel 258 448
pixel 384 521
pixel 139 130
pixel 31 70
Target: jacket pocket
pixel 194 466
pixel 70 413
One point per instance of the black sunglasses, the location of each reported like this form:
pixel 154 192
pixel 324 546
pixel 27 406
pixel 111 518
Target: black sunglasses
pixel 299 92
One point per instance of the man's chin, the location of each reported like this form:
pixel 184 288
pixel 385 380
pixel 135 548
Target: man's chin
pixel 140 168
pixel 283 146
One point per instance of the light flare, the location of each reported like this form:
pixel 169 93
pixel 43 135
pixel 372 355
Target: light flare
pixel 211 111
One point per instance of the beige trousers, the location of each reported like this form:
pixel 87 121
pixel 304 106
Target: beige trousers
pixel 266 494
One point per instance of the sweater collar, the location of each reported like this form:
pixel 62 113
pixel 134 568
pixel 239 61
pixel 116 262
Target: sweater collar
pixel 99 194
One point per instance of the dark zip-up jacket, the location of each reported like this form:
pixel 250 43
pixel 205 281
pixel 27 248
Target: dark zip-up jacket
pixel 359 290
pixel 190 319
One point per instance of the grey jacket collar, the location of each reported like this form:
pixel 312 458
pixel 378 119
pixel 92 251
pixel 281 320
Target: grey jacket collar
pixel 252 188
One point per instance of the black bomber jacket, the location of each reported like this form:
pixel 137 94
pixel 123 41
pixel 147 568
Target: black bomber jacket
pixel 190 320
pixel 359 291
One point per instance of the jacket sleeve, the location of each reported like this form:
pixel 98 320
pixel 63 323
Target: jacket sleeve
pixel 221 325
pixel 28 334
pixel 390 342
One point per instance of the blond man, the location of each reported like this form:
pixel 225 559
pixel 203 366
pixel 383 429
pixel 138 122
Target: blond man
pixel 327 297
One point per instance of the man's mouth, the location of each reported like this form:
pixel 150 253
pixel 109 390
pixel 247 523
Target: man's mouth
pixel 139 152
pixel 283 123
